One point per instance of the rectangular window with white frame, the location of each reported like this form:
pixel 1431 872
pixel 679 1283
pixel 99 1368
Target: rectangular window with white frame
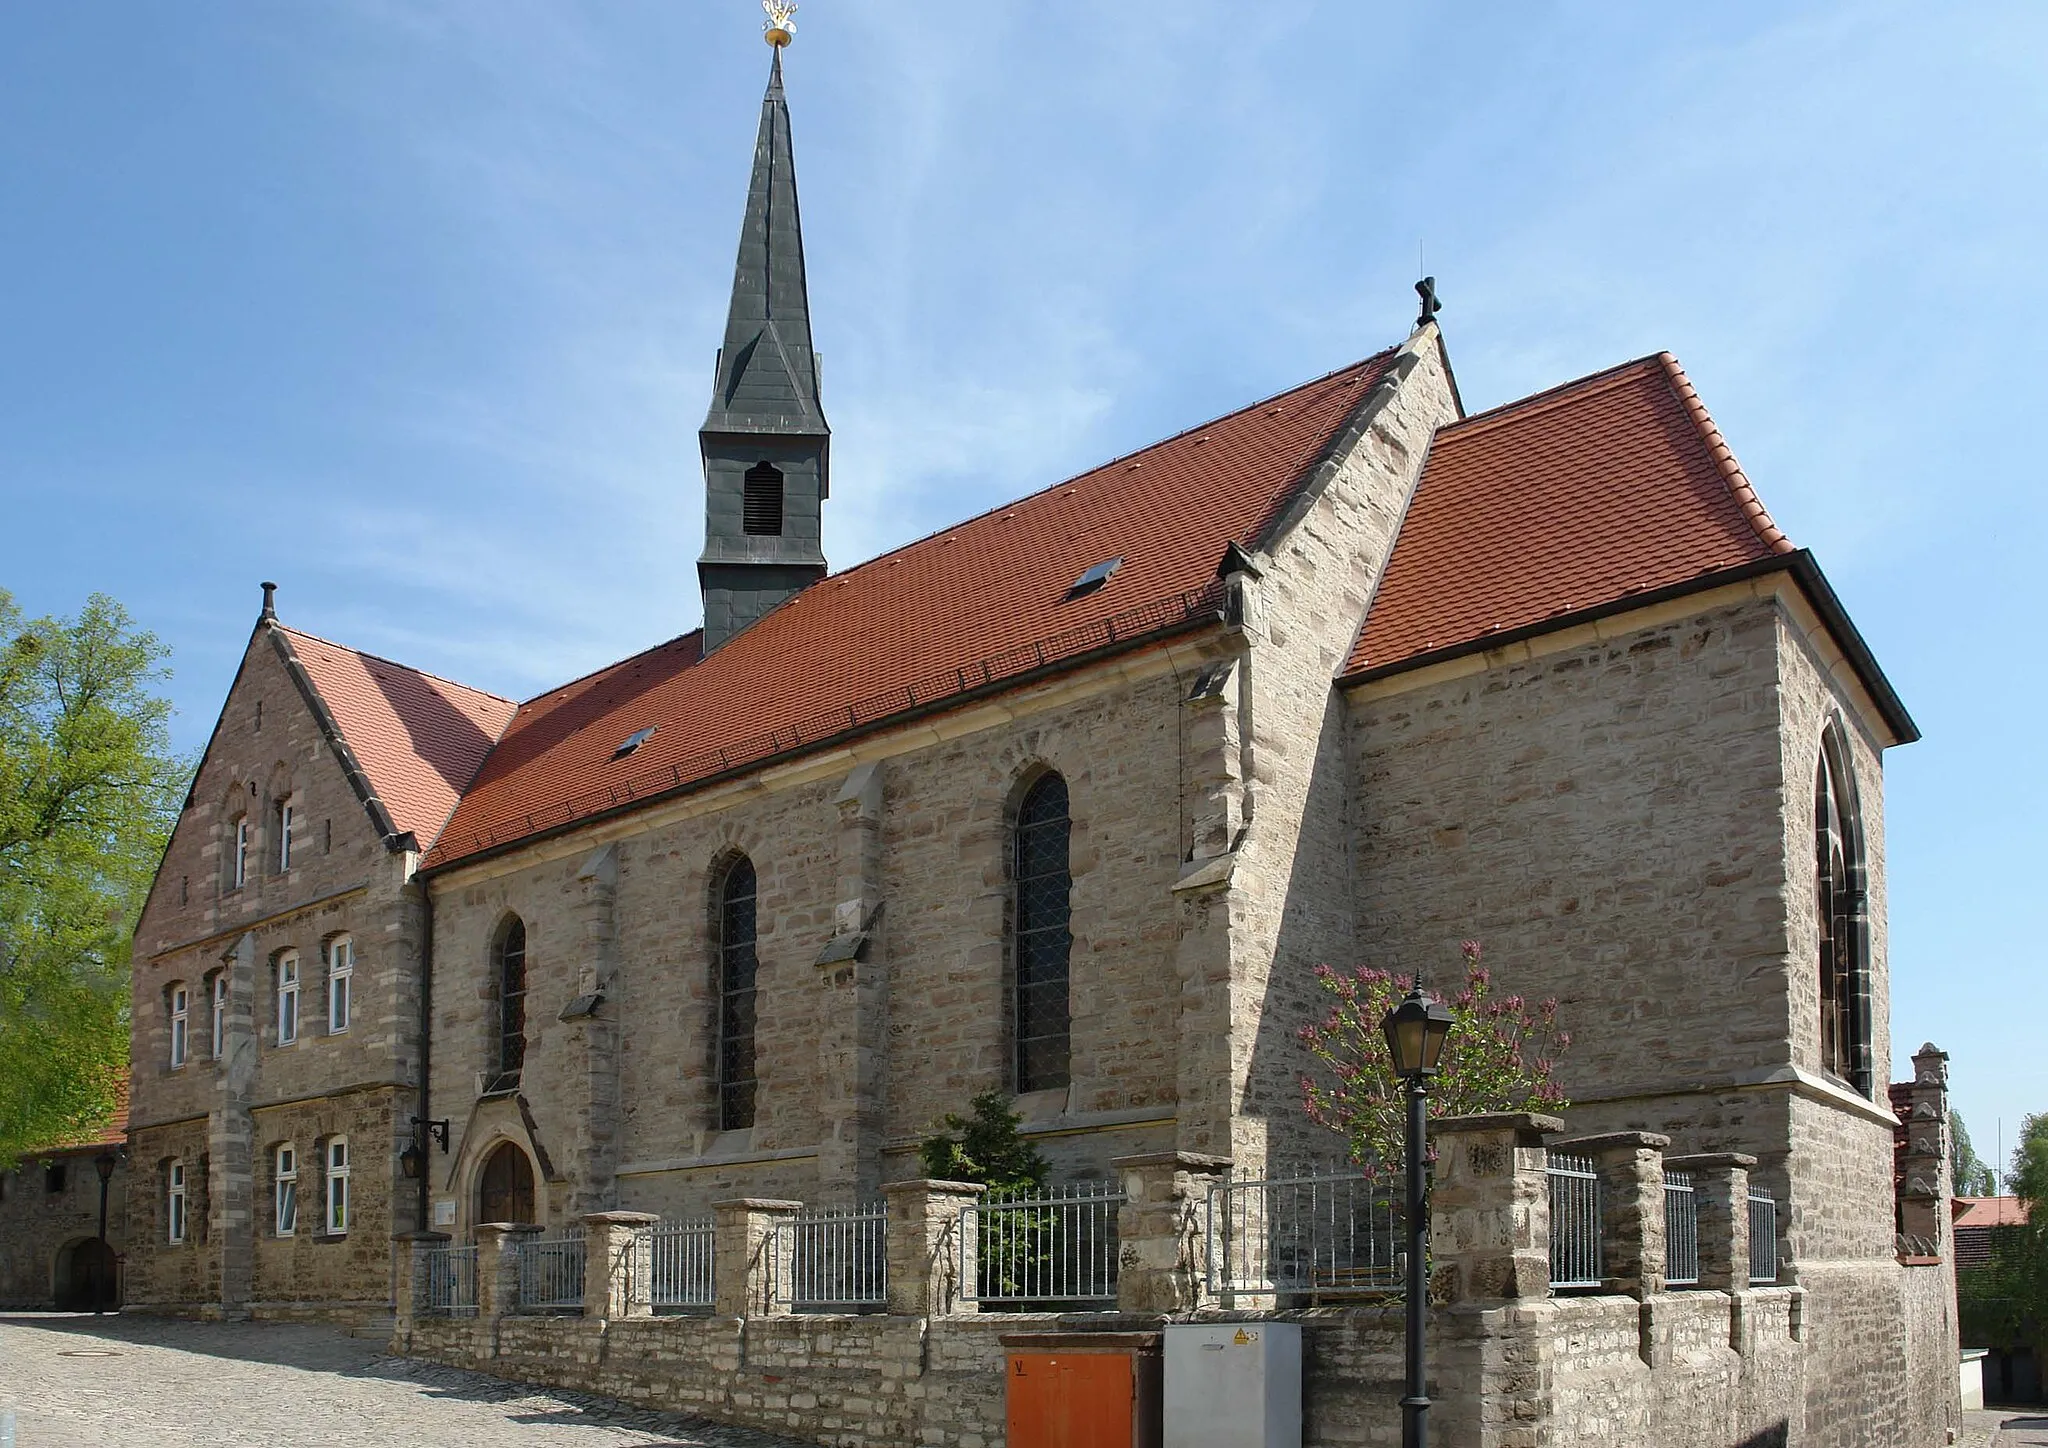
pixel 341 972
pixel 337 1186
pixel 174 1205
pixel 180 1025
pixel 287 997
pixel 219 1022
pixel 240 874
pixel 284 834
pixel 287 1194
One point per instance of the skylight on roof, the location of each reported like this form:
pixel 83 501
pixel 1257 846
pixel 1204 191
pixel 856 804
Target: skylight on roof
pixel 1094 578
pixel 633 741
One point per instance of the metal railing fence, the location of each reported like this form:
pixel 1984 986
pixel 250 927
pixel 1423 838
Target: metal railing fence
pixel 1575 1255
pixel 1041 1247
pixel 830 1261
pixel 551 1272
pixel 679 1271
pixel 451 1281
pixel 1681 1231
pixel 1763 1239
pixel 1333 1232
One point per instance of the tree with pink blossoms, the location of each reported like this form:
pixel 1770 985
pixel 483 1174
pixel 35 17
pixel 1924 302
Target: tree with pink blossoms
pixel 1501 1055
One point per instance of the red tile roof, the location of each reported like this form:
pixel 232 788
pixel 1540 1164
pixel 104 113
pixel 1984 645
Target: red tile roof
pixel 966 608
pixel 1613 485
pixel 1990 1212
pixel 418 738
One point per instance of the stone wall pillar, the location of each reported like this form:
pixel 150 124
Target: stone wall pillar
pixel 854 978
pixel 1158 1228
pixel 618 1264
pixel 229 1225
pixel 1489 1207
pixel 1720 1197
pixel 744 1244
pixel 1215 1025
pixel 927 1241
pixel 593 1015
pixel 1631 1168
pixel 497 1266
pixel 1925 1182
pixel 414 1298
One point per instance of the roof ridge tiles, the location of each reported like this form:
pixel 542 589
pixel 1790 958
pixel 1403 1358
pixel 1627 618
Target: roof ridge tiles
pixel 589 674
pixel 1739 486
pixel 394 663
pixel 1068 481
pixel 1516 409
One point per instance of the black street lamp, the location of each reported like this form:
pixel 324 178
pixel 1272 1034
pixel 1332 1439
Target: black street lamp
pixel 1415 1032
pixel 104 1165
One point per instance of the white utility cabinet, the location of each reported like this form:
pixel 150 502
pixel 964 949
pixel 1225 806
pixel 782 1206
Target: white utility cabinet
pixel 1233 1385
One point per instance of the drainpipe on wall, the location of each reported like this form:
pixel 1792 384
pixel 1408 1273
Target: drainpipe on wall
pixel 426 1045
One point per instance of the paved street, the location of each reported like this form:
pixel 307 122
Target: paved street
pixel 74 1382
pixel 2007 1428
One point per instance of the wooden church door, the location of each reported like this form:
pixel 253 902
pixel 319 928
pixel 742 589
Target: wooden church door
pixel 507 1194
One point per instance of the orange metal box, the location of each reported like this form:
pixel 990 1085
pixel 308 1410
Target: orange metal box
pixel 1083 1390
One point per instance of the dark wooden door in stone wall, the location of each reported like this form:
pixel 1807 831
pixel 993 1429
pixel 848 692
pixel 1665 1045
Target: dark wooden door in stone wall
pixel 507 1194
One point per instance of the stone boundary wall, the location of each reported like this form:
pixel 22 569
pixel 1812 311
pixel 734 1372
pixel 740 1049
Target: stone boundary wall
pixel 1563 1371
pixel 1514 1363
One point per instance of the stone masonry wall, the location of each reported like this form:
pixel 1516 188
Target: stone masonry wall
pixel 939 946
pixel 161 1274
pixel 227 1109
pixel 1286 907
pixel 1602 820
pixel 1727 1371
pixel 38 1227
pixel 311 1267
pixel 1627 825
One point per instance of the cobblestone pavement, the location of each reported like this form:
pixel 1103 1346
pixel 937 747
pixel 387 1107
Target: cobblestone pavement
pixel 81 1382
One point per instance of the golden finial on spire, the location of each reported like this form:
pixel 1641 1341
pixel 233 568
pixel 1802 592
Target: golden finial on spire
pixel 781 26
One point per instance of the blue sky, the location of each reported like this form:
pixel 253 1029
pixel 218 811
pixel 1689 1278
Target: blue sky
pixel 411 306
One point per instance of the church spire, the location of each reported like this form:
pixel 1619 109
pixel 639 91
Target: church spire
pixel 767 373
pixel 765 442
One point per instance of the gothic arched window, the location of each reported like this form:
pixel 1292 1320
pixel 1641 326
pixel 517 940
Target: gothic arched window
pixel 1043 939
pixel 508 970
pixel 761 503
pixel 737 968
pixel 1841 919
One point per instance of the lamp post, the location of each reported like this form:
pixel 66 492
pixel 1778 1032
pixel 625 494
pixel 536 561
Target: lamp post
pixel 104 1165
pixel 1415 1032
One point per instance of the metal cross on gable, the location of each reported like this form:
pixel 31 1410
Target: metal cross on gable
pixel 1426 289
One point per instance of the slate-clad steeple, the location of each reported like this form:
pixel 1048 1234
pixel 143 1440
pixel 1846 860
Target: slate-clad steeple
pixel 765 442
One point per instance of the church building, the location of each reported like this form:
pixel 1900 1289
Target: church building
pixel 1069 800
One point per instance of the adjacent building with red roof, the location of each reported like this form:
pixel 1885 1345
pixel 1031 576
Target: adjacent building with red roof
pixel 1069 801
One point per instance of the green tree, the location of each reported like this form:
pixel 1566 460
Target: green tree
pixel 1016 1245
pixel 1969 1174
pixel 1501 1055
pixel 2004 1303
pixel 2027 1174
pixel 984 1147
pixel 89 791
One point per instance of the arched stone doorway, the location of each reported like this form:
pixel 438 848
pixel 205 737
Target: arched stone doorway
pixel 505 1190
pixel 88 1276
